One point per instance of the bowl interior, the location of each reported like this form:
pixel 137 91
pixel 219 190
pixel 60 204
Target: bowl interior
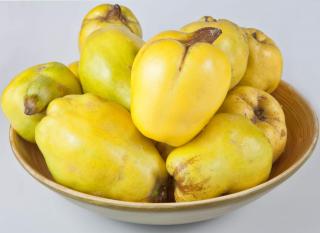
pixel 301 122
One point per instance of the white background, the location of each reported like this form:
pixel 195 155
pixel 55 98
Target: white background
pixel 33 33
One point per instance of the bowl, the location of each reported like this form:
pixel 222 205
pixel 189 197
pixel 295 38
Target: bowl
pixel 303 130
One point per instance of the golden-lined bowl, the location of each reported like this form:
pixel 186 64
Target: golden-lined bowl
pixel 303 131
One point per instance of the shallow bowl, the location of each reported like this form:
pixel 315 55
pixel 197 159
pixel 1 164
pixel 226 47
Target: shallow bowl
pixel 303 131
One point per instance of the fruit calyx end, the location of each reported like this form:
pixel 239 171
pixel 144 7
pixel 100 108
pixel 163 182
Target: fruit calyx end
pixel 258 115
pixel 260 37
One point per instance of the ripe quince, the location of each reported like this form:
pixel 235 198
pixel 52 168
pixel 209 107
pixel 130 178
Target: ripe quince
pixel 265 62
pixel 108 14
pixel 25 99
pixel 233 42
pixel 91 145
pixel 106 61
pixel 263 110
pixel 178 81
pixel 231 154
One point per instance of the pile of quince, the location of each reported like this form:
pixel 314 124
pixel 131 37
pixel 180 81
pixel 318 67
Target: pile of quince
pixel 184 116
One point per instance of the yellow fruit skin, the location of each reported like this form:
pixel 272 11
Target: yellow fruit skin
pixel 263 110
pixel 97 18
pixel 173 100
pixel 106 61
pixel 265 62
pixel 233 42
pixel 91 145
pixel 74 67
pixel 231 154
pixel 12 100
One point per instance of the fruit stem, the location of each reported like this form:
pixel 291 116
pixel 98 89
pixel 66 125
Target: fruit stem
pixel 209 19
pixel 207 35
pixel 116 14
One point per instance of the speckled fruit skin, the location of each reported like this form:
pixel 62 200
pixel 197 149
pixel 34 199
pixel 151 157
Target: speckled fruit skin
pixel 231 154
pixel 91 145
pixel 263 110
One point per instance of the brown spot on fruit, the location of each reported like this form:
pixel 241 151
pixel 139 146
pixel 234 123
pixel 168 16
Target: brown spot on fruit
pixel 184 165
pixel 259 113
pixel 190 188
pixel 41 68
pixel 283 133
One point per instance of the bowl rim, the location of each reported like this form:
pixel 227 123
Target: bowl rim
pixel 136 206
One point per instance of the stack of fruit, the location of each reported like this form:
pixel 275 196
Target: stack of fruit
pixel 186 114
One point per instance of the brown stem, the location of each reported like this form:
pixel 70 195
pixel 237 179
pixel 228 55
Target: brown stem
pixel 208 19
pixel 30 106
pixel 204 35
pixel 116 14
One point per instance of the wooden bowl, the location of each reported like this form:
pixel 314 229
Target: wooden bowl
pixel 302 136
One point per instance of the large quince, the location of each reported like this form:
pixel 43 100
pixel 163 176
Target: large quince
pixel 92 146
pixel 178 81
pixel 231 154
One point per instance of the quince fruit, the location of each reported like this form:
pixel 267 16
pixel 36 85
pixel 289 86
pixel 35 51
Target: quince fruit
pixel 231 154
pixel 108 14
pixel 265 62
pixel 25 99
pixel 263 110
pixel 92 146
pixel 106 61
pixel 233 42
pixel 178 81
pixel 74 67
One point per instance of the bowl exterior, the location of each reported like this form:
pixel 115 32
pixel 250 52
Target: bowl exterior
pixel 169 216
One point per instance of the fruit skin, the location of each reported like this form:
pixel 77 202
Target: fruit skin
pixel 106 61
pixel 231 154
pixel 265 62
pixel 91 145
pixel 263 110
pixel 74 67
pixel 108 14
pixel 30 92
pixel 176 89
pixel 233 42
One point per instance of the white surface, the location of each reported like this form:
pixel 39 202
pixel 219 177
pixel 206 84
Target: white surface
pixel 32 33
